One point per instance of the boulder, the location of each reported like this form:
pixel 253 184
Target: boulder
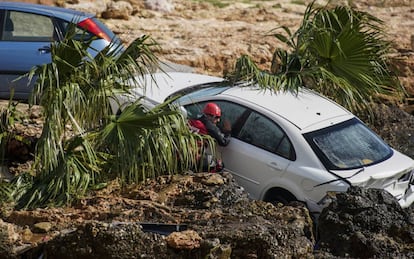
pixel 366 223
pixel 118 10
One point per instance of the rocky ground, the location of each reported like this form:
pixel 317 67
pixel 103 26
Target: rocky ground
pixel 208 215
pixel 214 217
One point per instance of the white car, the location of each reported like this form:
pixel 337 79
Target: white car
pixel 158 86
pixel 287 146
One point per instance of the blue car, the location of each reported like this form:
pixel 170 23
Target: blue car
pixel 26 33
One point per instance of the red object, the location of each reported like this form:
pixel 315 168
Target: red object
pixel 212 109
pixel 198 127
pixel 92 27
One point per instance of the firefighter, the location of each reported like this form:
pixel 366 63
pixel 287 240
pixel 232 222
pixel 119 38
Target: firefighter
pixel 206 123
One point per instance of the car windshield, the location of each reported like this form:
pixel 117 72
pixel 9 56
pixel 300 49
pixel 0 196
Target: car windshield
pixel 348 145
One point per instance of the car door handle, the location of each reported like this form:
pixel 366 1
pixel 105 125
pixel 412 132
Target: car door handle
pixel 44 50
pixel 274 166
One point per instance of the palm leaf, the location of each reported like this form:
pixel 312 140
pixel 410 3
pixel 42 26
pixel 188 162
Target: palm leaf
pixel 74 92
pixel 6 191
pixel 147 143
pixel 340 52
pixel 76 170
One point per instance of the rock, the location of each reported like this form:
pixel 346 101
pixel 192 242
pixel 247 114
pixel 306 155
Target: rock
pixel 187 240
pixel 26 235
pixel 159 5
pixel 94 7
pixel 9 240
pixel 214 179
pixel 366 223
pixel 42 227
pixel 118 10
pixel 101 240
pixel 217 250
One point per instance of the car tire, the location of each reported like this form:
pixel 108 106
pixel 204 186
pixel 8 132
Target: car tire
pixel 278 195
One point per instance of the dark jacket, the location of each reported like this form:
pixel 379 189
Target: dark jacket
pixel 222 138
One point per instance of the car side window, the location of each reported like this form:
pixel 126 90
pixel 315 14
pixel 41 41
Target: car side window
pixel 229 111
pixel 20 26
pixel 259 131
pixel 193 110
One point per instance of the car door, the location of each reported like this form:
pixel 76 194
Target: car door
pixel 24 43
pixel 258 152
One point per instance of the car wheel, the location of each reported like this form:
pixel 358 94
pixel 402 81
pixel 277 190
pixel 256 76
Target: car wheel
pixel 278 195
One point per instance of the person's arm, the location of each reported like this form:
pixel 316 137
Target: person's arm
pixel 223 139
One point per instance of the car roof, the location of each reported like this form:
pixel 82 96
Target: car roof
pixel 60 12
pixel 306 109
pixel 158 86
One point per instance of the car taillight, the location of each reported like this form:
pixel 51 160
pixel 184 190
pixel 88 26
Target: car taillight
pixel 92 27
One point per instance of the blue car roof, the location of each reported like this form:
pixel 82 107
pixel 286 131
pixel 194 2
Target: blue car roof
pixel 63 13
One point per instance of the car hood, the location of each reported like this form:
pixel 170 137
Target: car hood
pixel 395 167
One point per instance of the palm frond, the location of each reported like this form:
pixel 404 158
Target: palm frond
pixel 339 48
pixel 354 54
pixel 77 169
pixel 6 191
pixel 74 92
pixel 82 138
pixel 286 79
pixel 12 191
pixel 147 143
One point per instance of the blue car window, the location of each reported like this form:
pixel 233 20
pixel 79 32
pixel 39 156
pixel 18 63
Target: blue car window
pixel 20 26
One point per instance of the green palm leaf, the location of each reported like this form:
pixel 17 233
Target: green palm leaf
pixel 77 169
pixel 75 92
pixel 340 52
pixel 147 143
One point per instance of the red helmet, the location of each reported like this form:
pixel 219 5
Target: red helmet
pixel 212 109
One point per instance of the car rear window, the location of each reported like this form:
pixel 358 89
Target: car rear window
pixel 348 145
